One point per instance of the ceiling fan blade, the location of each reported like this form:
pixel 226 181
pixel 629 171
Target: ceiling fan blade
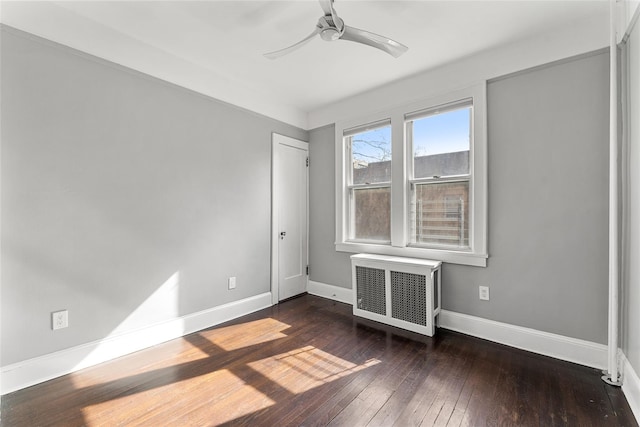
pixel 286 50
pixel 327 7
pixel 392 47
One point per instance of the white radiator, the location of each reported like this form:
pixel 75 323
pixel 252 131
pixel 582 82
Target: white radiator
pixel 402 292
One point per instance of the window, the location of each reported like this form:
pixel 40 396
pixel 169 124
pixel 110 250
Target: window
pixel 370 183
pixel 411 181
pixel 440 141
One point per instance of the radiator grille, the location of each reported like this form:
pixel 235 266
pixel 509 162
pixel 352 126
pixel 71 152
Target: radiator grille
pixel 409 297
pixel 370 284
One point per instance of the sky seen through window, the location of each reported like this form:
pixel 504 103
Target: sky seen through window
pixel 447 132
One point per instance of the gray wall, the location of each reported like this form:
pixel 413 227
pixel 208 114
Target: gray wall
pixel 327 265
pixel 631 273
pixel 548 204
pixel 113 182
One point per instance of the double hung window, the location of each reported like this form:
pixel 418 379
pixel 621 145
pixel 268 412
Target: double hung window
pixel 369 150
pixel 411 181
pixel 440 141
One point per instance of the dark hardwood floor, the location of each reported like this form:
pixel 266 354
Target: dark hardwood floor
pixel 309 362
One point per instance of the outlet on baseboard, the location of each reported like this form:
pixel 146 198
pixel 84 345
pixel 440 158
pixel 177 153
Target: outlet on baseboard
pixel 59 319
pixel 484 292
pixel 232 282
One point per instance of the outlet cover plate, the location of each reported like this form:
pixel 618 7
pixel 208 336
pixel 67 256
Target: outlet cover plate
pixel 484 293
pixel 232 282
pixel 59 319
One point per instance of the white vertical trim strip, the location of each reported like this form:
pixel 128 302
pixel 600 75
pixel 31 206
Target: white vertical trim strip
pixel 612 365
pixel 398 182
pixel 275 219
pixel 340 171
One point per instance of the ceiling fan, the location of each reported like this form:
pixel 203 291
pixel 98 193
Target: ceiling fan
pixel 330 27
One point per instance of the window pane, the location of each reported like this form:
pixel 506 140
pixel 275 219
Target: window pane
pixel 441 144
pixel 371 156
pixel 372 214
pixel 440 213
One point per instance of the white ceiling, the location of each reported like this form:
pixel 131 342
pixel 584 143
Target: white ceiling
pixel 216 47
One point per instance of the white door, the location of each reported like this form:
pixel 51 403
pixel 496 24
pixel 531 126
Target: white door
pixel 289 217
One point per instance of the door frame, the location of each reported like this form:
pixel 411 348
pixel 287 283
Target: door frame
pixel 277 139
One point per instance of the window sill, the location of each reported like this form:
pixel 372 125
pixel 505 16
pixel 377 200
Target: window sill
pixel 448 256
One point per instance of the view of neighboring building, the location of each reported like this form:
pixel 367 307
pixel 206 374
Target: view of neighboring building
pixel 439 210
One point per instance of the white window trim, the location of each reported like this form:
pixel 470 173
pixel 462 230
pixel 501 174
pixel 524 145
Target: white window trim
pixel 477 254
pixel 350 187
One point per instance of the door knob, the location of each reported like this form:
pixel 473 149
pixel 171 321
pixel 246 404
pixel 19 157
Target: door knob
pixel 282 234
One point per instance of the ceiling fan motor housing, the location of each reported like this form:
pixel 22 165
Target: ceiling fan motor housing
pixel 330 30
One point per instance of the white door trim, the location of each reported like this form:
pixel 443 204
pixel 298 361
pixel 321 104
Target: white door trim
pixel 277 139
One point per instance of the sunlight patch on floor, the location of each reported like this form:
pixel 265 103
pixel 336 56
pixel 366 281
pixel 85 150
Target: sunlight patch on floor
pixel 315 366
pixel 161 357
pixel 246 334
pixel 229 398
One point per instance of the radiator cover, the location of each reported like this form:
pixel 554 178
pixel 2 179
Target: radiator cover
pixel 402 292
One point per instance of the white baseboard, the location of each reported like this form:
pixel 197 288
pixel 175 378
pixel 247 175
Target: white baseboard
pixel 558 346
pixel 336 293
pixel 39 369
pixel 631 386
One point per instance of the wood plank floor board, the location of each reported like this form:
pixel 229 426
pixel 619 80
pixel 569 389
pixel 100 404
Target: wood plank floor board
pixel 326 411
pixel 482 388
pixel 448 396
pixel 369 401
pixel 303 404
pixel 344 397
pixel 295 412
pixel 619 406
pixel 390 411
pixel 471 389
pixel 440 387
pixel 309 362
pixel 418 406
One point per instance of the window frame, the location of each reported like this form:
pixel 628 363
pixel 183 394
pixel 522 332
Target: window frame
pixel 413 181
pixel 351 188
pixel 401 172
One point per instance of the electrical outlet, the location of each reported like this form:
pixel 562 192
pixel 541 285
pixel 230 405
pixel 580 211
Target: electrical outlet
pixel 232 282
pixel 484 292
pixel 59 319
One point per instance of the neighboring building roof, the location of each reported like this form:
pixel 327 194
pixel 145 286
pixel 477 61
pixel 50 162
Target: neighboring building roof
pixel 425 166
